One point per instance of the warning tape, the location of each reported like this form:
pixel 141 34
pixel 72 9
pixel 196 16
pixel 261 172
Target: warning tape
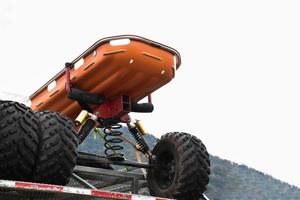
pixel 72 190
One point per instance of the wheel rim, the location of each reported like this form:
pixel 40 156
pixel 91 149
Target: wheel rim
pixel 165 170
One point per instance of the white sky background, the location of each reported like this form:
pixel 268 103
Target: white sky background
pixel 237 88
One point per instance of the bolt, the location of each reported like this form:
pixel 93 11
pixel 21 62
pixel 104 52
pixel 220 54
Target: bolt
pixel 153 157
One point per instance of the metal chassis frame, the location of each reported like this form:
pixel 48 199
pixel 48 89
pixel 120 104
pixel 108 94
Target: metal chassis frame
pixel 83 172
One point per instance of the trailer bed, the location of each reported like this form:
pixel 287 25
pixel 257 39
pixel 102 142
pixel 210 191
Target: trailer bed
pixel 15 190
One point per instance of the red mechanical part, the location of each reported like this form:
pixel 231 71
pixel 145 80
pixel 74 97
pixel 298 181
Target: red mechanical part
pixel 149 98
pixel 116 108
pixel 68 81
pixel 125 119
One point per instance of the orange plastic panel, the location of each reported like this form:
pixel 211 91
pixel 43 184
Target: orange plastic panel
pixel 136 69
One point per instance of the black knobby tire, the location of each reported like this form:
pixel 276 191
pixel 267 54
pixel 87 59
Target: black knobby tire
pixel 181 168
pixel 18 141
pixel 58 149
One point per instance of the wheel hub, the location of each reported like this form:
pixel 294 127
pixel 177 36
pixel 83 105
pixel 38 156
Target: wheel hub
pixel 165 170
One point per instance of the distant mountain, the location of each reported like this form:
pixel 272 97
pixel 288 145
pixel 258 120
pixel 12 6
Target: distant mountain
pixel 231 181
pixel 228 180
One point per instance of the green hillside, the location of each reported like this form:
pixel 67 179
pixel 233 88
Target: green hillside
pixel 228 180
pixel 238 182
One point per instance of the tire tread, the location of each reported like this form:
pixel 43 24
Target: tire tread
pixel 58 149
pixel 192 171
pixel 19 141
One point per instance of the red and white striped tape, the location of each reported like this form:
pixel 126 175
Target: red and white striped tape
pixel 75 191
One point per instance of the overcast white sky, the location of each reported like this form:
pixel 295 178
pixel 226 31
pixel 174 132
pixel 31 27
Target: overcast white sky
pixel 237 88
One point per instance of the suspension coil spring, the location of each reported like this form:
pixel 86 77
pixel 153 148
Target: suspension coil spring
pixel 112 142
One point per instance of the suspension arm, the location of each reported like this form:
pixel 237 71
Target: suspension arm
pixel 92 160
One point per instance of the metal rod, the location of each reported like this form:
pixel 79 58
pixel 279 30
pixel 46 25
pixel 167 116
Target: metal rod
pixel 90 158
pixel 94 172
pixel 131 164
pixel 116 181
pixel 83 182
pixel 149 98
pixel 111 183
pixel 135 186
pixel 205 197
pixel 81 170
pixel 127 188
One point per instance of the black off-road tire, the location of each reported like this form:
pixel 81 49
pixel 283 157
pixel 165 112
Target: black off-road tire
pixel 18 141
pixel 58 149
pixel 181 168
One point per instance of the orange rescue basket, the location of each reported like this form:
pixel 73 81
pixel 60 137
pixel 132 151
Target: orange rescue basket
pixel 114 66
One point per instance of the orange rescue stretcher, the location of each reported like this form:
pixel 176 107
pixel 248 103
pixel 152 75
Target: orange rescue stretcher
pixel 117 66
